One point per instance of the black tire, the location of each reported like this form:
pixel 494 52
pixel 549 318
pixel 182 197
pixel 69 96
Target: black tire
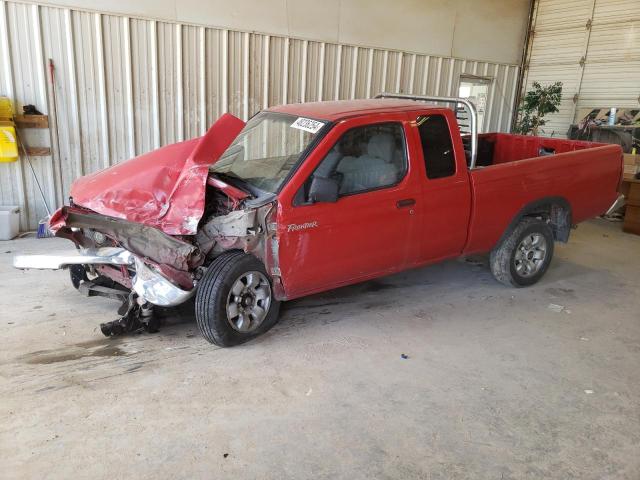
pixel 504 265
pixel 213 293
pixel 78 274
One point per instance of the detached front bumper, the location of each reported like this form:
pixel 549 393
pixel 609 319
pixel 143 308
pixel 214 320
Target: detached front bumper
pixel 147 283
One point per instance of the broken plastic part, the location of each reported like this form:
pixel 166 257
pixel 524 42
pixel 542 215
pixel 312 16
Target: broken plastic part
pixel 147 283
pixel 156 289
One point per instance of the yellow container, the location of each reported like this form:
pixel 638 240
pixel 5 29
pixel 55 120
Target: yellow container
pixel 8 142
pixel 6 110
pixel 8 139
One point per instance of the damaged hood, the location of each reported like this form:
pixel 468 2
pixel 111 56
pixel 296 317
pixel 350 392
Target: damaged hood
pixel 164 188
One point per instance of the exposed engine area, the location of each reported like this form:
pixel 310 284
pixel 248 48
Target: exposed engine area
pixel 145 268
pixel 231 225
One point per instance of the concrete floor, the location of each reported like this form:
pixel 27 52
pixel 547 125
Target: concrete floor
pixel 499 383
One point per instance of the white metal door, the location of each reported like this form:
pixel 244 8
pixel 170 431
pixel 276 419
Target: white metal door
pixel 593 48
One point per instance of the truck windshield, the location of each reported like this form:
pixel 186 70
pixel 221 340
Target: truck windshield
pixel 266 150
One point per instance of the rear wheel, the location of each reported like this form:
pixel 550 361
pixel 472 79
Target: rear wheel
pixel 234 301
pixel 524 256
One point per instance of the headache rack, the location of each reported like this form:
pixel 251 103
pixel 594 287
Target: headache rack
pixel 473 115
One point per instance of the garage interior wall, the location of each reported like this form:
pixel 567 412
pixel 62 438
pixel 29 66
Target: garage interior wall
pixel 125 85
pixel 593 48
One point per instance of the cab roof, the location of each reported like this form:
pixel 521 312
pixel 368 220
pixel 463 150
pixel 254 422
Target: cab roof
pixel 336 110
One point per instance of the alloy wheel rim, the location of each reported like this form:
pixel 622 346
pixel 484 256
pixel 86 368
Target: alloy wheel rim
pixel 530 255
pixel 248 301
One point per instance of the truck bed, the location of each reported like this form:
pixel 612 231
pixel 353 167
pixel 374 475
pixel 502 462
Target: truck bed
pixel 497 148
pixel 514 171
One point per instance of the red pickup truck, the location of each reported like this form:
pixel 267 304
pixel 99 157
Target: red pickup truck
pixel 309 197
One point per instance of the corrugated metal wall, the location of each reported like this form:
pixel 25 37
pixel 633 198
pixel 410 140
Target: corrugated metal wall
pixel 593 47
pixel 124 86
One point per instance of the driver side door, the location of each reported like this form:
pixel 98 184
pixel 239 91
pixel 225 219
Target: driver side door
pixel 367 232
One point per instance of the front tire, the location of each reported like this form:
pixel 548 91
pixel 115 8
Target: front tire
pixel 523 257
pixel 234 301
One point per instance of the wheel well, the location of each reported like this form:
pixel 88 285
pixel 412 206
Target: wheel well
pixel 558 216
pixel 212 256
pixel 556 211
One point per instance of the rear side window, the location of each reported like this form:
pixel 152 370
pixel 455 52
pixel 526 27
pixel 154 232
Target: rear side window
pixel 436 146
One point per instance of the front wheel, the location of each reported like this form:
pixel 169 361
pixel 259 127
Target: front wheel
pixel 234 301
pixel 524 256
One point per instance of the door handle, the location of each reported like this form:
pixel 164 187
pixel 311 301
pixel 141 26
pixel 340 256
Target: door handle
pixel 407 202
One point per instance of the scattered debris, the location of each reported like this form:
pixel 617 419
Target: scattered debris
pixel 225 455
pixel 554 307
pixel 404 356
pixel 561 292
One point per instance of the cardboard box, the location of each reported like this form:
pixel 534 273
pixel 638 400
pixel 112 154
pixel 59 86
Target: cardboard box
pixel 631 159
pixel 632 220
pixel 630 170
pixel 631 164
pixel 632 210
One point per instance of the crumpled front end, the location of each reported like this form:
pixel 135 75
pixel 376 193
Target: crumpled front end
pixel 228 224
pixel 175 255
pixel 142 266
pixel 164 188
pixel 146 230
pixel 123 256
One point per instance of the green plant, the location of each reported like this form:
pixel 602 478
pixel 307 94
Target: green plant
pixel 535 105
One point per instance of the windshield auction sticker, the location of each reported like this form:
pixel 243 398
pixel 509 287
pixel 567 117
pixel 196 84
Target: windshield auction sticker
pixel 307 125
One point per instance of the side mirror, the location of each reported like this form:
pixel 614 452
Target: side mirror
pixel 323 190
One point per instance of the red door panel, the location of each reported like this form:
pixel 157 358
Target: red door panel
pixel 445 202
pixel 363 235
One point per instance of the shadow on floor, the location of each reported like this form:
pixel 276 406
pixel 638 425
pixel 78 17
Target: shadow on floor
pixel 433 282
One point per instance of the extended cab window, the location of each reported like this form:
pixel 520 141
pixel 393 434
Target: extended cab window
pixel 366 158
pixel 436 146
